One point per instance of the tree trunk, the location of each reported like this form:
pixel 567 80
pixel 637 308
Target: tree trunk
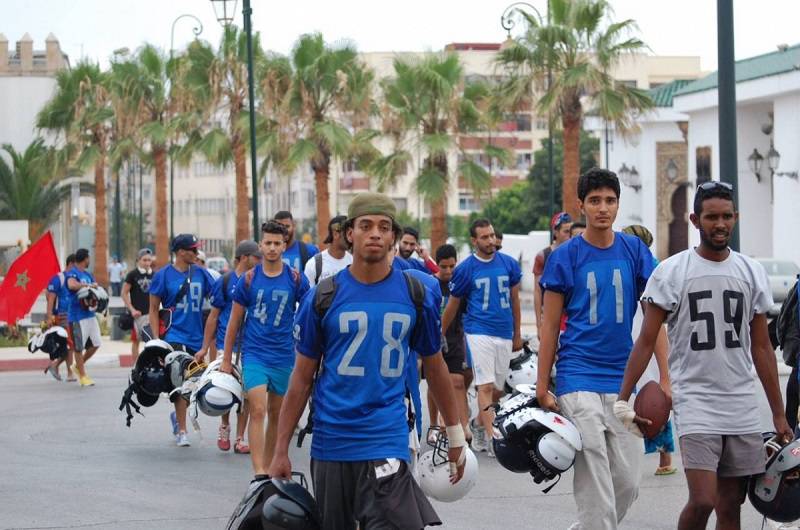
pixel 162 228
pixel 321 175
pixel 572 164
pixel 242 203
pixel 100 251
pixel 439 210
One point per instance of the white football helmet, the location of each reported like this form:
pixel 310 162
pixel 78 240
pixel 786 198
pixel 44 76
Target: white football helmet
pixel 522 369
pixel 216 392
pixel 549 440
pixel 93 299
pixel 433 470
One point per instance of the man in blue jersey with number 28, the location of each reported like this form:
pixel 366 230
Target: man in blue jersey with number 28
pixel 359 451
pixel 181 288
pixel 268 294
pixel 489 281
pixel 596 279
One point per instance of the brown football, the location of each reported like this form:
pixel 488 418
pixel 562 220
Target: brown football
pixel 652 403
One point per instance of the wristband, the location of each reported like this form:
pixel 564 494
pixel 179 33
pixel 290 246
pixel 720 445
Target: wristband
pixel 455 436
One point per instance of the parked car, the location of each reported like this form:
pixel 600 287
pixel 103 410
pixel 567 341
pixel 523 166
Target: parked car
pixel 782 274
pixel 219 264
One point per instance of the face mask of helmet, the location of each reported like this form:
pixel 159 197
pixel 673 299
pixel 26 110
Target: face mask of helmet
pixel 548 441
pixel 776 493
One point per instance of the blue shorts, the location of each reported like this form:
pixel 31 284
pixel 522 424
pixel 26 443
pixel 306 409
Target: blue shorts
pixel 255 374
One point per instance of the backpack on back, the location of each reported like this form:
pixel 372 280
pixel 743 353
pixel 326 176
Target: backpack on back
pixel 787 326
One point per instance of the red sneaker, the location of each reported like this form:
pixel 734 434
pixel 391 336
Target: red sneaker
pixel 224 438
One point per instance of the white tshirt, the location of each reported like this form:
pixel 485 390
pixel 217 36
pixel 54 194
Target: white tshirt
pixel 330 266
pixel 710 306
pixel 115 271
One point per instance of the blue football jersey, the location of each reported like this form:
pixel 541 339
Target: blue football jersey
pixel 416 264
pixel 364 342
pixel 601 289
pixel 487 287
pixel 291 256
pixel 270 304
pixel 58 286
pixel 222 299
pixel 187 317
pixel 76 312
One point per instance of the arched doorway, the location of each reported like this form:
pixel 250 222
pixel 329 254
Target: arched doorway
pixel 679 226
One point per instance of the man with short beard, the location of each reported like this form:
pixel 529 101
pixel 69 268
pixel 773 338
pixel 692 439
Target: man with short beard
pixel 360 349
pixel 489 281
pixel 715 302
pixel 409 244
pixel 297 252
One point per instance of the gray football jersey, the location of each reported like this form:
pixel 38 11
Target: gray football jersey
pixel 710 305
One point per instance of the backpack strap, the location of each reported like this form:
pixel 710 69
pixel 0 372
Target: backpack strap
pixel 417 292
pixel 226 280
pixel 317 267
pixel 184 288
pixel 303 249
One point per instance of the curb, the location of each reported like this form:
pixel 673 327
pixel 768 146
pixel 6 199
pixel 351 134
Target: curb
pixel 40 363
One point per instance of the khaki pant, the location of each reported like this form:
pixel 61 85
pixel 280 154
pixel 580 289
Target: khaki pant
pixel 607 470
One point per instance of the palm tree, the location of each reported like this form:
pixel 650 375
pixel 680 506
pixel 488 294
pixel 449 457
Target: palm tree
pixel 217 82
pixel 142 103
pixel 328 105
pixel 30 188
pixel 428 107
pixel 80 114
pixel 581 48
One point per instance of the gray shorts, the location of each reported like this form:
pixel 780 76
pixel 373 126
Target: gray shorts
pixel 727 455
pixel 349 493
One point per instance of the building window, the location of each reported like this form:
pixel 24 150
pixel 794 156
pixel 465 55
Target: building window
pixel 541 124
pixel 468 203
pixel 401 204
pixel 523 161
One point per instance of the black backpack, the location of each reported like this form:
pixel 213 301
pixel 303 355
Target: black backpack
pixel 303 249
pixel 787 326
pixel 323 298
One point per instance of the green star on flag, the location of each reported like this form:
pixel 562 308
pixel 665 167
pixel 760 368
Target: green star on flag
pixel 22 280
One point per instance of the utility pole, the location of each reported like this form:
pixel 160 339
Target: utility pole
pixel 728 167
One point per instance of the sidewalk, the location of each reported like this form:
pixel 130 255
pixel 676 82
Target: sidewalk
pixel 112 354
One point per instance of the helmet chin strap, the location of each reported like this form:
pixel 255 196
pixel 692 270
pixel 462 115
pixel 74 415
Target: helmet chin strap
pixel 551 486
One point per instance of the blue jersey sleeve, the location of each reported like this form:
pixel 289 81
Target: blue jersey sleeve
pixel 218 294
pixel 312 249
pixel 427 337
pixel 302 287
pixel 558 274
pixel 646 265
pixel 307 328
pixel 241 295
pixel 514 272
pixel 54 285
pixel 158 286
pixel 461 282
pixel 208 282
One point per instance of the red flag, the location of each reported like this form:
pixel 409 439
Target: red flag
pixel 25 279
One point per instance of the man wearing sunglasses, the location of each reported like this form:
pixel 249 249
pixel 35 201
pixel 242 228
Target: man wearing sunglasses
pixel 714 301
pixel 332 259
pixel 181 287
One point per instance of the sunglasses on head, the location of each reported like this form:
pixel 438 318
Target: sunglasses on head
pixel 714 185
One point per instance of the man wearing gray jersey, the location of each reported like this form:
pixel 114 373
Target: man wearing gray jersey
pixel 714 301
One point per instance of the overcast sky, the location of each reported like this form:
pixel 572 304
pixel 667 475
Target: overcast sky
pixel 95 28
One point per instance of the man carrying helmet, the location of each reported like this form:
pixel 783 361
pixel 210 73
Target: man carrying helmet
pixel 359 350
pixel 83 326
pixel 268 294
pixel 181 288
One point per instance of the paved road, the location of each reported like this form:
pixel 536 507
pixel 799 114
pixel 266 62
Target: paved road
pixel 68 461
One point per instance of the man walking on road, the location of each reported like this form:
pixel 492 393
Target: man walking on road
pixel 58 300
pixel 136 296
pixel 489 281
pixel 84 329
pixel 359 349
pixel 297 253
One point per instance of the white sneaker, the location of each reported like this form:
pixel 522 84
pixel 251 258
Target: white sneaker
pixel 182 440
pixel 479 441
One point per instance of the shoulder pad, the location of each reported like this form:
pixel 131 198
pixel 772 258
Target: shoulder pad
pixel 323 297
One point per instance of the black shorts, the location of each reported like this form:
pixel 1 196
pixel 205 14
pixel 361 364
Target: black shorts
pixel 349 493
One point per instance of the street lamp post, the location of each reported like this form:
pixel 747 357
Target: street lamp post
pixel 225 11
pixel 197 30
pixel 507 22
